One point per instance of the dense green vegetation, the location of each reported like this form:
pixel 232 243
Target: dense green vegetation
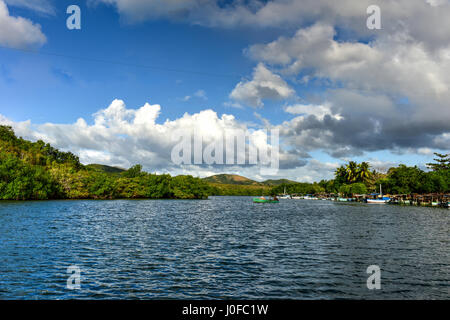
pixel 298 188
pixel 218 189
pixel 355 178
pixel 233 179
pixel 36 170
pixel 235 185
pixel 406 180
pixel 104 168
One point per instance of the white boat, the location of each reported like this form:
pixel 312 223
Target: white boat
pixel 379 200
pixel 285 196
pixel 297 197
pixel 310 198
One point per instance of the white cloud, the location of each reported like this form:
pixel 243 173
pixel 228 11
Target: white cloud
pixel 139 10
pixel 436 3
pixel 366 84
pixel 264 85
pixel 18 32
pixel 201 94
pixel 443 141
pixel 426 20
pixel 382 166
pixel 394 63
pixel 122 137
pixel 41 6
pixel 233 105
pixel 319 111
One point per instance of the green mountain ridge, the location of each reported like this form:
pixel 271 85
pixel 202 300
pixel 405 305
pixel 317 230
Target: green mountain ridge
pixel 278 182
pixel 231 179
pixel 235 179
pixel 104 168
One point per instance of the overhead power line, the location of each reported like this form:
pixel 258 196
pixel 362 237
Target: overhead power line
pixel 200 73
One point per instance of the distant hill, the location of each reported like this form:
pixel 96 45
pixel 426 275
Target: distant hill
pixel 240 180
pixel 278 182
pixel 105 168
pixel 231 179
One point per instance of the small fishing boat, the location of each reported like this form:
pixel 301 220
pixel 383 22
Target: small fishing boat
pixel 265 200
pixel 380 199
pixel 285 195
pixel 310 197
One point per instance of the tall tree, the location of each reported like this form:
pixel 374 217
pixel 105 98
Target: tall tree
pixel 364 173
pixel 340 175
pixel 352 171
pixel 442 162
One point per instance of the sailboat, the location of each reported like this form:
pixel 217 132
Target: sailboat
pixel 380 199
pixel 285 196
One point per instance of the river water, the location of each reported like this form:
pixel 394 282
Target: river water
pixel 222 248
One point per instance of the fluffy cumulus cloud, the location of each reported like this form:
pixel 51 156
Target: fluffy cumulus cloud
pixel 18 32
pixel 427 20
pixel 390 93
pixel 319 111
pixel 264 85
pixel 122 137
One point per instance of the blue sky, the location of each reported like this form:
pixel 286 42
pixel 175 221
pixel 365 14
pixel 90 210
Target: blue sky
pixel 234 59
pixel 85 85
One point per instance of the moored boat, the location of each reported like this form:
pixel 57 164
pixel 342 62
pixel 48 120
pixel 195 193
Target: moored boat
pixel 265 200
pixel 344 199
pixel 284 195
pixel 379 200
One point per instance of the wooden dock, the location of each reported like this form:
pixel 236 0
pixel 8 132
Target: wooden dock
pixel 426 200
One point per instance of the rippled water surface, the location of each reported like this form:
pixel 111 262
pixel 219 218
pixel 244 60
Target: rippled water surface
pixel 225 247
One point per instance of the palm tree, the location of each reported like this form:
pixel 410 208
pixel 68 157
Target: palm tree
pixel 341 174
pixel 352 171
pixel 364 172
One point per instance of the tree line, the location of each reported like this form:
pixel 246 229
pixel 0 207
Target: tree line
pixel 37 171
pixel 358 178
